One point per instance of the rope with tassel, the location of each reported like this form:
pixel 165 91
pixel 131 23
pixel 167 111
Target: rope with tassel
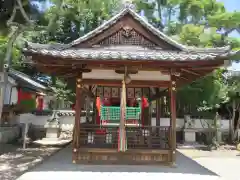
pixel 122 132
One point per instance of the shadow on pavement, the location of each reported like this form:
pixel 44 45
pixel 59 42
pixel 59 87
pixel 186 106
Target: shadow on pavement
pixel 62 162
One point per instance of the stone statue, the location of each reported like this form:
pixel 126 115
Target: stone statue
pixel 188 122
pixel 53 126
pixel 54 119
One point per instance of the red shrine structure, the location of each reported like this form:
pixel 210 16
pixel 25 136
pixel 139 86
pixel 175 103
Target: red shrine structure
pixel 119 68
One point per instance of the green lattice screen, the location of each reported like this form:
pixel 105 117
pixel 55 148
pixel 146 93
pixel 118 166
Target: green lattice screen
pixel 112 113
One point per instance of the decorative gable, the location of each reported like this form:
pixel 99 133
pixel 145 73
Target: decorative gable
pixel 127 28
pixel 127 36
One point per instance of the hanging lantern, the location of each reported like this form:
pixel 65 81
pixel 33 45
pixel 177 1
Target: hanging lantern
pixel 127 79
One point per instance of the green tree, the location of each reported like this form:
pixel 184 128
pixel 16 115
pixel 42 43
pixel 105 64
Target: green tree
pixel 233 106
pixel 200 23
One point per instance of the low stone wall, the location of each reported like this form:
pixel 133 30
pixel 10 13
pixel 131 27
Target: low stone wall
pixel 66 122
pixel 9 134
pixel 199 124
pixel 38 131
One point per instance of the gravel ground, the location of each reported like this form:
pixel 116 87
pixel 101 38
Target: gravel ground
pixel 14 161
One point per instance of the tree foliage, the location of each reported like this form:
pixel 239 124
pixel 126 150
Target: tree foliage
pixel 7 8
pixel 62 92
pixel 202 23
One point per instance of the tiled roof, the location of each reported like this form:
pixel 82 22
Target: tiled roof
pixel 148 26
pixel 27 80
pixel 184 52
pixel 129 54
pixel 137 17
pixel 233 73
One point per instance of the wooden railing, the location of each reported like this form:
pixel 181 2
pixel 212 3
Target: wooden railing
pixel 148 137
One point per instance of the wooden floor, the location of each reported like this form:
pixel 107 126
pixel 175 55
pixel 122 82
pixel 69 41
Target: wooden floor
pixel 131 156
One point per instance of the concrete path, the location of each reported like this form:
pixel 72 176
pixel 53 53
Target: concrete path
pixel 60 167
pixel 225 163
pixel 228 168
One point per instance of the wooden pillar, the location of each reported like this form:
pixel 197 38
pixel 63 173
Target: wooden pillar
pixel 122 146
pixel 76 131
pixel 172 93
pixel 158 111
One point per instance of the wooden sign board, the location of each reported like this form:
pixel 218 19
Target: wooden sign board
pixel 115 92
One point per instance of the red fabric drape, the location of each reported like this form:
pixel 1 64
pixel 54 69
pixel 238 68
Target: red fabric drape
pixel 132 102
pixel 98 118
pixel 107 102
pixel 23 95
pixel 98 105
pixel 73 107
pixel 19 95
pixel 145 104
pixel 40 102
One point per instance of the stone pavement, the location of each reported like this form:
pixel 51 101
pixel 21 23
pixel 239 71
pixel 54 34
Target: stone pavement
pixel 5 148
pixel 60 167
pixel 16 161
pixel 224 163
pixel 228 168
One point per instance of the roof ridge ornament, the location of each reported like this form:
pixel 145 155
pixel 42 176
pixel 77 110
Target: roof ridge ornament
pixel 128 4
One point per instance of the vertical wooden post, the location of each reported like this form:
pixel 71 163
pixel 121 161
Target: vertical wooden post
pixel 122 146
pixel 76 131
pixel 158 117
pixel 172 93
pixel 158 112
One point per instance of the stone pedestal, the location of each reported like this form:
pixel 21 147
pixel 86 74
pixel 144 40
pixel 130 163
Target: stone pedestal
pixel 219 136
pixel 53 131
pixel 9 134
pixel 188 122
pixel 189 136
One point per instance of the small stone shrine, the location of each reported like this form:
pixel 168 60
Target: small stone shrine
pixel 189 131
pixel 53 130
pixel 53 126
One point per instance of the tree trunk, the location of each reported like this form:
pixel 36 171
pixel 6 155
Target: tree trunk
pixel 230 129
pixel 238 123
pixel 217 125
pixel 232 120
pixel 236 134
pixel 7 60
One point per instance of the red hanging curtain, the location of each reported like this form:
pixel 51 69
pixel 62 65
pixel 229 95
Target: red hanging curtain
pixel 73 107
pixel 98 118
pixel 19 95
pixel 24 95
pixel 40 103
pixel 98 105
pixel 145 104
pixel 107 102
